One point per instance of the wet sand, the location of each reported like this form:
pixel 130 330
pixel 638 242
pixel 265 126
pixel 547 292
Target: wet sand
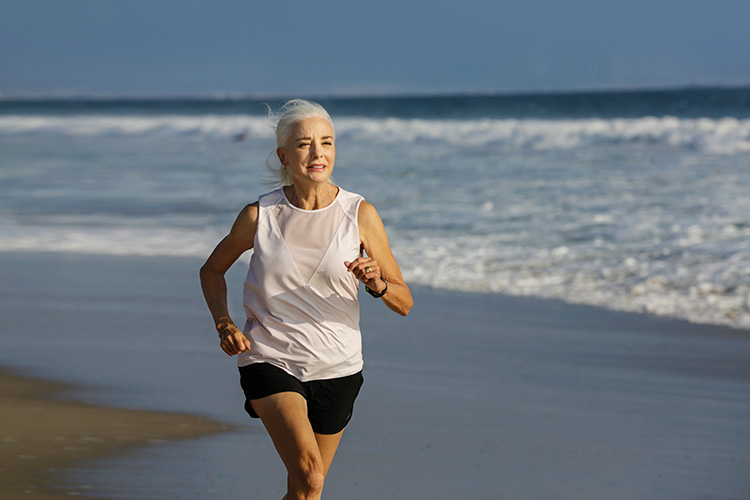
pixel 472 396
pixel 41 435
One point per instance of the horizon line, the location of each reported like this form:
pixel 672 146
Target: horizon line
pixel 238 96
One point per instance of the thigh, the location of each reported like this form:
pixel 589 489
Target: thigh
pixel 328 444
pixel 259 380
pixel 285 417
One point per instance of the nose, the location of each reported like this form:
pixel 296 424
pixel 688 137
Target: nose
pixel 315 150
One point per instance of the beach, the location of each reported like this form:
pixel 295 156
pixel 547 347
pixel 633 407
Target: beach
pixel 471 396
pixel 42 436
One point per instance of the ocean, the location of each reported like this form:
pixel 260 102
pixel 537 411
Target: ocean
pixel 636 201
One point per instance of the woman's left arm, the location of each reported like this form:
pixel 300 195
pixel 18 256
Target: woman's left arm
pixel 379 262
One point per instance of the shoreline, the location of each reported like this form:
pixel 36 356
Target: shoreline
pixel 42 435
pixel 238 270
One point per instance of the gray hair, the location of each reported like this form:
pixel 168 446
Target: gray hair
pixel 292 112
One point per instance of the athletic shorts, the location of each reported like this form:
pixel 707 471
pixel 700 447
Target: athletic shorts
pixel 330 402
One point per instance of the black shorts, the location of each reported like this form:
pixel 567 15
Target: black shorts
pixel 330 402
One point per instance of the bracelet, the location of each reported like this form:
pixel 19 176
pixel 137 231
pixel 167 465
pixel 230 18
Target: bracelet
pixel 376 294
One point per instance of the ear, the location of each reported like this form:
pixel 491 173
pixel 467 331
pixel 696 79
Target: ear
pixel 282 157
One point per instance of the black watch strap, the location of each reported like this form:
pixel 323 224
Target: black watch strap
pixel 376 294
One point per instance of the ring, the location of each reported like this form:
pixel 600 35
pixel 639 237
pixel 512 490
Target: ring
pixel 367 269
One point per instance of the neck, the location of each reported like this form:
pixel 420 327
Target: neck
pixel 311 197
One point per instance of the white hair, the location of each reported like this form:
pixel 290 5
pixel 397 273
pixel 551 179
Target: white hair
pixel 292 112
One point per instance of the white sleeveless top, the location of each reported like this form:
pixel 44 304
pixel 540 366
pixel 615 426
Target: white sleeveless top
pixel 301 302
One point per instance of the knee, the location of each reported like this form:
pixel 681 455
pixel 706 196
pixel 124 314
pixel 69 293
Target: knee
pixel 307 481
pixel 314 482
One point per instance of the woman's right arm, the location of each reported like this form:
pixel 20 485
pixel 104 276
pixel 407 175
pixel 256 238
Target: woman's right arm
pixel 239 240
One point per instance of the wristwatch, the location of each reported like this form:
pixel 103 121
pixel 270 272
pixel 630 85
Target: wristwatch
pixel 376 294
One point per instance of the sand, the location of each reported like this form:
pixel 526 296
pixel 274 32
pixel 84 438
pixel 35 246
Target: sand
pixel 472 396
pixel 41 435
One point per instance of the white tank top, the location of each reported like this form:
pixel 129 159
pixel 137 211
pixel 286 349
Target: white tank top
pixel 301 302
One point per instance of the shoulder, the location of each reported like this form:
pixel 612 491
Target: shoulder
pixel 247 220
pixel 367 212
pixel 250 211
pixel 368 219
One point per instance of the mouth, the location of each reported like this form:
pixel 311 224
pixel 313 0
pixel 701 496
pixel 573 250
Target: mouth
pixel 316 167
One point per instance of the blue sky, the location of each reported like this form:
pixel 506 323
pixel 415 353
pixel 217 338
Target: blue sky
pixel 186 47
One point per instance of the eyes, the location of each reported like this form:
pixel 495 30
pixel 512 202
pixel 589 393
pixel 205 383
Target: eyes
pixel 306 144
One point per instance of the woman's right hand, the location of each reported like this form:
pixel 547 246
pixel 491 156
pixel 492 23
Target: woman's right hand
pixel 233 341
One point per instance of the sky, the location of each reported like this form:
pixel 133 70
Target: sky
pixel 285 47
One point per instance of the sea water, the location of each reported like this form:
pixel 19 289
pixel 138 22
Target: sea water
pixel 635 201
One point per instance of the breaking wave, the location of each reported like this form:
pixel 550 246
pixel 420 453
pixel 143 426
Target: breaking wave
pixel 727 136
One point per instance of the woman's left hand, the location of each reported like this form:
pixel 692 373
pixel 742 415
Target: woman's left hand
pixel 367 271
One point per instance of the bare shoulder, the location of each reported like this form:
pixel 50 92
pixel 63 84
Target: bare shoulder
pixel 368 216
pixel 248 214
pixel 250 211
pixel 244 227
pixel 240 239
pixel 371 229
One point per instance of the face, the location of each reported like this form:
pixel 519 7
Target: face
pixel 309 151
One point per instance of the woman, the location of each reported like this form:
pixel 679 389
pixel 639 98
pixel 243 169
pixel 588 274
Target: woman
pixel 299 354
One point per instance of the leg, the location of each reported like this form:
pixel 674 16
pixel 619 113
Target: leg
pixel 285 417
pixel 330 409
pixel 328 444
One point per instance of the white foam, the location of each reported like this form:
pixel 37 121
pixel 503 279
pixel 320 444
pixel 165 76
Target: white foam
pixel 108 240
pixel 94 125
pixel 722 136
pixel 691 286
